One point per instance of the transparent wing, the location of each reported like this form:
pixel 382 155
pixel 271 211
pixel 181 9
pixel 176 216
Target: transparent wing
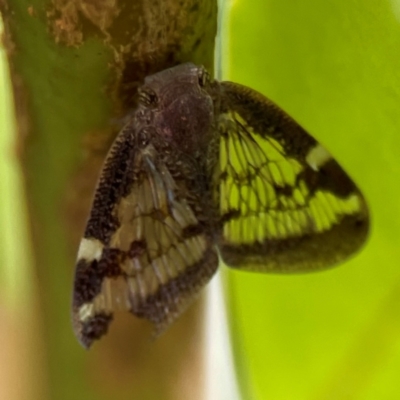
pixel 286 205
pixel 143 250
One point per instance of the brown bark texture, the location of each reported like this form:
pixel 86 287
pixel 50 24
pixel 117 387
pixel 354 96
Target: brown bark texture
pixel 75 67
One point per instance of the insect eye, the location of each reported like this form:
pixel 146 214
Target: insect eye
pixel 148 97
pixel 204 78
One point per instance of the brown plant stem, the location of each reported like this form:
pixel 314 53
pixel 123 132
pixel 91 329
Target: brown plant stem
pixel 75 67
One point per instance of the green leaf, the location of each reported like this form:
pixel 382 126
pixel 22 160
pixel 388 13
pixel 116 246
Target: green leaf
pixel 333 66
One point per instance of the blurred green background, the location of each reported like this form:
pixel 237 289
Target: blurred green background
pixel 335 67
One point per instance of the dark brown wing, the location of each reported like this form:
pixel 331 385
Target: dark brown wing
pixel 137 253
pixel 286 205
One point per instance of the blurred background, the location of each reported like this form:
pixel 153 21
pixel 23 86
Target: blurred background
pixel 334 67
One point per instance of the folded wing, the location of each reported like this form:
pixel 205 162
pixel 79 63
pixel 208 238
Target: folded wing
pixel 144 250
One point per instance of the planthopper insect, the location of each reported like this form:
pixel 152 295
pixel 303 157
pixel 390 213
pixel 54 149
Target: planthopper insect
pixel 207 170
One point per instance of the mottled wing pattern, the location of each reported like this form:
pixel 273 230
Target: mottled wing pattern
pixel 143 250
pixel 286 205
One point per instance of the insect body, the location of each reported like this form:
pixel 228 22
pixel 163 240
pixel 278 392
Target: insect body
pixel 205 168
